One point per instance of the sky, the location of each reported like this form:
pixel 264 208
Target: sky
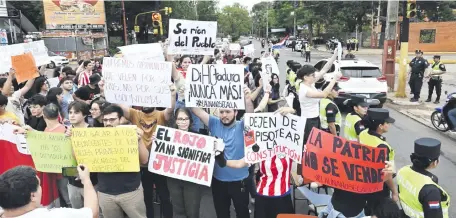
pixel 248 3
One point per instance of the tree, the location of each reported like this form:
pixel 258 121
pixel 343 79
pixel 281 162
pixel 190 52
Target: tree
pixel 234 20
pixel 207 10
pixel 33 10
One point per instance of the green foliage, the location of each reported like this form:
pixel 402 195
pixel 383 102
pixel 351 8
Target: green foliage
pixel 234 20
pixel 33 10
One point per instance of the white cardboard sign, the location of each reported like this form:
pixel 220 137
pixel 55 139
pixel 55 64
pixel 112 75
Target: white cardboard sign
pixel 270 134
pixel 136 82
pixel 37 48
pixel 192 37
pixel 215 86
pixel 145 52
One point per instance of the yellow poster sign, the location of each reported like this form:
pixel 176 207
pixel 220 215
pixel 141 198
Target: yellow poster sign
pixel 68 12
pixel 50 151
pixel 106 149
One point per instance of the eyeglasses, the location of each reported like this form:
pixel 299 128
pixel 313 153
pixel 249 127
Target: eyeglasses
pixel 183 119
pixel 105 120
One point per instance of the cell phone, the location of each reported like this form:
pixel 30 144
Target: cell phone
pixel 70 171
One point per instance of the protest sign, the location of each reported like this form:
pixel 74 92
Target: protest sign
pixel 269 66
pixel 249 50
pixel 270 134
pixel 106 149
pixel 145 52
pixel 183 155
pixel 39 52
pixel 192 37
pixel 215 86
pixel 25 67
pixel 50 151
pixel 137 82
pixel 37 48
pixel 234 48
pixel 347 165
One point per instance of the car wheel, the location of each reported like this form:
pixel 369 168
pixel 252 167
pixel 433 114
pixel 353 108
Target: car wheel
pixel 51 65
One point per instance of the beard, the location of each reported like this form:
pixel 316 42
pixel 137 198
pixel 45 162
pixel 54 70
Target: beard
pixel 148 110
pixel 230 122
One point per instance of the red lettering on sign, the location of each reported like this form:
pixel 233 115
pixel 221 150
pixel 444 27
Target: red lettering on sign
pixel 190 140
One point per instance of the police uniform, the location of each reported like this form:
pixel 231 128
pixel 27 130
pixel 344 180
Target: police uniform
pixel 370 137
pixel 330 113
pixel 436 81
pixel 307 50
pixel 419 192
pixel 353 121
pixel 418 66
pixel 287 80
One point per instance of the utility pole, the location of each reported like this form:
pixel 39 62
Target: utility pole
pixel 402 77
pixel 124 22
pixel 389 46
pixel 267 21
pixel 294 24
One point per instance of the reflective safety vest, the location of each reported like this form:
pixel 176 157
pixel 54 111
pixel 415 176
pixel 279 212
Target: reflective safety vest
pixel 323 119
pixel 436 67
pixel 307 47
pixel 349 127
pixel 410 184
pixel 373 141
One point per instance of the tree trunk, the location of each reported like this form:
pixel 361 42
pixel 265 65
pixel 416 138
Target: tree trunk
pixel 311 31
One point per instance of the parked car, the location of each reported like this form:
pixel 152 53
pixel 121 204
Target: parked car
pixel 359 77
pixel 56 60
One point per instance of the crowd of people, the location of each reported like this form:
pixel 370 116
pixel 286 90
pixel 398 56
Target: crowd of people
pixel 78 102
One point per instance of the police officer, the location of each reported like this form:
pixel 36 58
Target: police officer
pixel 330 117
pixel 420 195
pixel 355 43
pixel 287 80
pixel 307 50
pixel 354 121
pixel 377 122
pixel 417 67
pixel 435 79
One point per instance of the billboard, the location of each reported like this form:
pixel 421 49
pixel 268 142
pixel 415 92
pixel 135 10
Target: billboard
pixel 62 14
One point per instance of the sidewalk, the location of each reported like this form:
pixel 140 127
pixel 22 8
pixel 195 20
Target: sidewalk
pixel 421 111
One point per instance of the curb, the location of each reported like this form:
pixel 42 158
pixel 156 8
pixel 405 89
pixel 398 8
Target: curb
pixel 424 122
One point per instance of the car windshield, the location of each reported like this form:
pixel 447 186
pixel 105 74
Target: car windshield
pixel 50 53
pixel 361 72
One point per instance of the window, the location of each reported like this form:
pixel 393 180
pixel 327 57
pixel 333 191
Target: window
pixel 320 65
pixel 358 72
pixel 427 36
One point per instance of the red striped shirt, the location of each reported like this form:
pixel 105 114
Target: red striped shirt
pixel 275 177
pixel 84 78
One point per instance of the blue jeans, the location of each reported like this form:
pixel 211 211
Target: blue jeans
pixel 333 213
pixel 452 117
pixel 196 126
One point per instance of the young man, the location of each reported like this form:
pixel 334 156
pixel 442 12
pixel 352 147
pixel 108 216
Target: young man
pixel 330 116
pixel 121 193
pixel 36 105
pixel 67 86
pixel 354 121
pixel 90 91
pixel 229 184
pixel 147 120
pixel 20 195
pixel 78 111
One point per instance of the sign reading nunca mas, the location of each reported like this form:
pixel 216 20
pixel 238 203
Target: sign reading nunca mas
pixel 61 14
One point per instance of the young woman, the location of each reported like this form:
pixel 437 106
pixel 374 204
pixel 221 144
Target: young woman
pixel 96 107
pixel 274 98
pixel 97 68
pixel 55 96
pixel 41 86
pixel 185 196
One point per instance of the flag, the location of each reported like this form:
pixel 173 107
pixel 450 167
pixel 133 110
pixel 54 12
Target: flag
pixel 434 204
pixel 14 152
pixel 280 44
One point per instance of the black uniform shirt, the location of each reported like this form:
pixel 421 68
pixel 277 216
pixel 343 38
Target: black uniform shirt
pixel 359 125
pixel 430 194
pixel 419 65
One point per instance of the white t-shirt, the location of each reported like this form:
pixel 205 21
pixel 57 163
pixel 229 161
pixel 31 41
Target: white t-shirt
pixel 310 107
pixel 59 213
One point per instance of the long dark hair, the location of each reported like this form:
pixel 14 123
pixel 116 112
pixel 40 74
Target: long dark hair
pixel 52 97
pixel 188 113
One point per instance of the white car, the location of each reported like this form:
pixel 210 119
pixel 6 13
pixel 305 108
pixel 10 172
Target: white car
pixel 57 60
pixel 359 77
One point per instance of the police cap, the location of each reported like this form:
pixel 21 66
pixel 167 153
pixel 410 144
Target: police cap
pixel 358 100
pixel 437 56
pixel 380 114
pixel 427 147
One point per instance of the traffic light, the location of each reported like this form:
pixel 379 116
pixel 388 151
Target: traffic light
pixel 168 10
pixel 411 8
pixel 156 19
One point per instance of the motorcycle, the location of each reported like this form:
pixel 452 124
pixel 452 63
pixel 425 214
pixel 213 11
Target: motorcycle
pixel 439 118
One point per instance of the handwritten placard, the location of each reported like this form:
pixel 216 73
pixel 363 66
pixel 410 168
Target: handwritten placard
pixel 106 149
pixel 269 66
pixel 50 151
pixel 25 67
pixel 215 86
pixel 270 134
pixel 39 52
pixel 37 48
pixel 249 50
pixel 343 164
pixel 183 155
pixel 145 52
pixel 136 82
pixel 192 37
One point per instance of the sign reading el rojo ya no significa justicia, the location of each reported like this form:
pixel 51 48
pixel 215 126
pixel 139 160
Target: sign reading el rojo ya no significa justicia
pixel 343 164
